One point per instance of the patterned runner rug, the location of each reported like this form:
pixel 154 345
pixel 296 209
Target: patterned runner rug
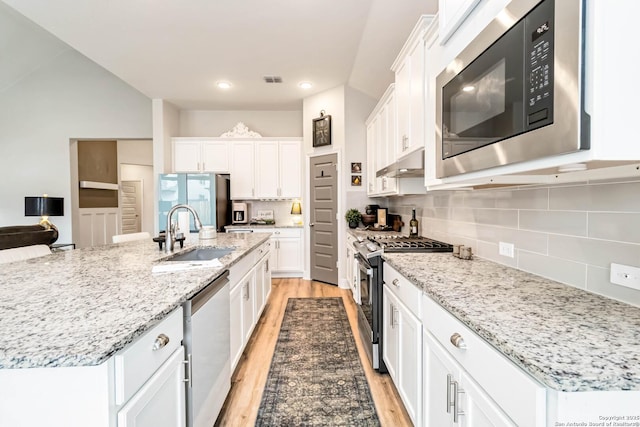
pixel 316 378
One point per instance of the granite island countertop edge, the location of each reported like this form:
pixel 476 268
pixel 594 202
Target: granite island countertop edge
pixel 78 308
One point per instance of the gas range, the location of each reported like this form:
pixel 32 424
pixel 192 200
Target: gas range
pixel 374 245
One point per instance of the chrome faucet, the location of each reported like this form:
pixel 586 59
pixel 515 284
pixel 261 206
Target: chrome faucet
pixel 170 235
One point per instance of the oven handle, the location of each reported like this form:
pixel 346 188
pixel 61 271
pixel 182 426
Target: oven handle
pixel 364 265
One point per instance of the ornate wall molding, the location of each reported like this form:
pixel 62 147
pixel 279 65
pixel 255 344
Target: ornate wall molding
pixel 241 131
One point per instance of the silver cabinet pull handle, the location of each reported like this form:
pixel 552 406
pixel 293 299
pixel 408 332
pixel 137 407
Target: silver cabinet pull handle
pixel 396 283
pixel 457 340
pixel 449 404
pixel 160 342
pixel 189 373
pixel 455 402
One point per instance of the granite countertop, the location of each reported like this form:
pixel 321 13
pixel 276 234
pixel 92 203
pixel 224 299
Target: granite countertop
pixel 567 338
pixel 79 307
pixel 258 226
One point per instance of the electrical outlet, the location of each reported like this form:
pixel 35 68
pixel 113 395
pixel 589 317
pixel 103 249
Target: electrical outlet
pixel 625 275
pixel 506 249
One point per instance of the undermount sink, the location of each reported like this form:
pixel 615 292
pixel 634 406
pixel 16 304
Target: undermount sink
pixel 201 254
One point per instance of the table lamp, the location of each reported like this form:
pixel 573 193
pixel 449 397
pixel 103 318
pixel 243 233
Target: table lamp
pixel 44 207
pixel 296 210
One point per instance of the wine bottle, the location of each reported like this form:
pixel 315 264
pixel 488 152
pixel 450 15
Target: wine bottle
pixel 413 224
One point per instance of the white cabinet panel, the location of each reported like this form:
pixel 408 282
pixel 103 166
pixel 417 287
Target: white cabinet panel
pixel 242 170
pixel 236 334
pixel 186 156
pixel 215 156
pixel 267 167
pixel 290 169
pixel 200 155
pixel 161 401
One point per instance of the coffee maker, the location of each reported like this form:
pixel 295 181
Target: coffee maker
pixel 240 213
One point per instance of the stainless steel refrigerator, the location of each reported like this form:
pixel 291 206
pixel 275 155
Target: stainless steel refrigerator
pixel 207 193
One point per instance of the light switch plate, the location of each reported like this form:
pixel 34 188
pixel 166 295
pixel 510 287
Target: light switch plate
pixel 625 275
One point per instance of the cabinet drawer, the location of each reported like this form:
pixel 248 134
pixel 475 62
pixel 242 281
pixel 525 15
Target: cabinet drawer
pixel 263 250
pixel 135 364
pixel 519 395
pixel 284 232
pixel 407 292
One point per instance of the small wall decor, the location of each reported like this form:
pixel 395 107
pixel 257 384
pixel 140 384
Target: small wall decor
pixel 322 130
pixel 356 167
pixel 356 180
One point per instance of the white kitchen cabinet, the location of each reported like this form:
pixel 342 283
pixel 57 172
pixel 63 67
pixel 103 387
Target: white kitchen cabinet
pixel 236 333
pixel 278 169
pixel 242 170
pixel 352 270
pixel 262 278
pixel 381 144
pixel 161 400
pixel 496 391
pixel 410 98
pixel 451 397
pixel 402 339
pixel 286 251
pixel 248 285
pixel 200 155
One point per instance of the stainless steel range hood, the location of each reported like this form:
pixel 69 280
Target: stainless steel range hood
pixel 412 165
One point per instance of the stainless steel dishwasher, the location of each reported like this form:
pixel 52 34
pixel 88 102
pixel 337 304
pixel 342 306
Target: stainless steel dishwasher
pixel 207 343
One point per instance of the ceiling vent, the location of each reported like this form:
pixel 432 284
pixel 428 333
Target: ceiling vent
pixel 272 79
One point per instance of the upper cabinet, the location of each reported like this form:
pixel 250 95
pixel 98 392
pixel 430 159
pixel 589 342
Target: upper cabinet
pixel 200 155
pixel 409 68
pixel 266 169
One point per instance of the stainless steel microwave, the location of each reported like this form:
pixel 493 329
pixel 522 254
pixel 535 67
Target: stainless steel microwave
pixel 516 92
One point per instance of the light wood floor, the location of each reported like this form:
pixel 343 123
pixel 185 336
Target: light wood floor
pixel 250 376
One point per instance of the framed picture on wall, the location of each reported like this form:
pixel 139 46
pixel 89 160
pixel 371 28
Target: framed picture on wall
pixel 356 180
pixel 322 131
pixel 356 167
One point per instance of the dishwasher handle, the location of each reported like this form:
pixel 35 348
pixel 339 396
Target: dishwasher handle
pixel 209 291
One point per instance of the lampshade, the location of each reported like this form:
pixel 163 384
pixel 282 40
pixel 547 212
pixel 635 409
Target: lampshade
pixel 44 206
pixel 296 208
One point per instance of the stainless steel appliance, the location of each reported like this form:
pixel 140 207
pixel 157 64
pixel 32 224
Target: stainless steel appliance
pixel 370 264
pixel 240 213
pixel 515 94
pixel 208 348
pixel 207 193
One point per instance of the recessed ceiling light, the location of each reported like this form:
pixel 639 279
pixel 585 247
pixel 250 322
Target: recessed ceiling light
pixel 223 85
pixel 305 85
pixel 469 88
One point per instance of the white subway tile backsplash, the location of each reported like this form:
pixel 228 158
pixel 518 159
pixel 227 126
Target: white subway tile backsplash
pixel 600 197
pixel 572 223
pixel 598 253
pixel 623 227
pixel 523 199
pixel 561 270
pixel 568 233
pixel 598 282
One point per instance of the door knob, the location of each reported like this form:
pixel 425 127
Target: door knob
pixel 312 224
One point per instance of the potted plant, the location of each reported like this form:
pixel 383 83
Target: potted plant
pixel 353 217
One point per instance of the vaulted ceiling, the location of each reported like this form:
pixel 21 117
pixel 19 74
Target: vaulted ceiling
pixel 178 49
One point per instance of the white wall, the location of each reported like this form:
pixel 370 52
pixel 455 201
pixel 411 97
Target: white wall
pixel 568 233
pixel 215 123
pixel 68 98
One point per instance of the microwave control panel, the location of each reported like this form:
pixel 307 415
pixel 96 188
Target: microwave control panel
pixel 539 33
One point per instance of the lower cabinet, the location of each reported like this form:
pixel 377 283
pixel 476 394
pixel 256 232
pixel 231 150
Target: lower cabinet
pixel 286 251
pixel 161 401
pixel 402 351
pixel 248 297
pixel 451 397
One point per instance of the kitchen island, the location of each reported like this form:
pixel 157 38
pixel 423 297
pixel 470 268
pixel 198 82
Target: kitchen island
pixel 89 334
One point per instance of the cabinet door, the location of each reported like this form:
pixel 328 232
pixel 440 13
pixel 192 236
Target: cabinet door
pixel 371 160
pixel 259 287
pixel 248 286
pixel 289 254
pixel 236 343
pixel 479 409
pixel 266 283
pixel 390 333
pixel 439 369
pixel 186 156
pixel 161 400
pixel 410 362
pixel 242 170
pixel 403 104
pixel 290 169
pixel 267 167
pixel 416 99
pixel 215 156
